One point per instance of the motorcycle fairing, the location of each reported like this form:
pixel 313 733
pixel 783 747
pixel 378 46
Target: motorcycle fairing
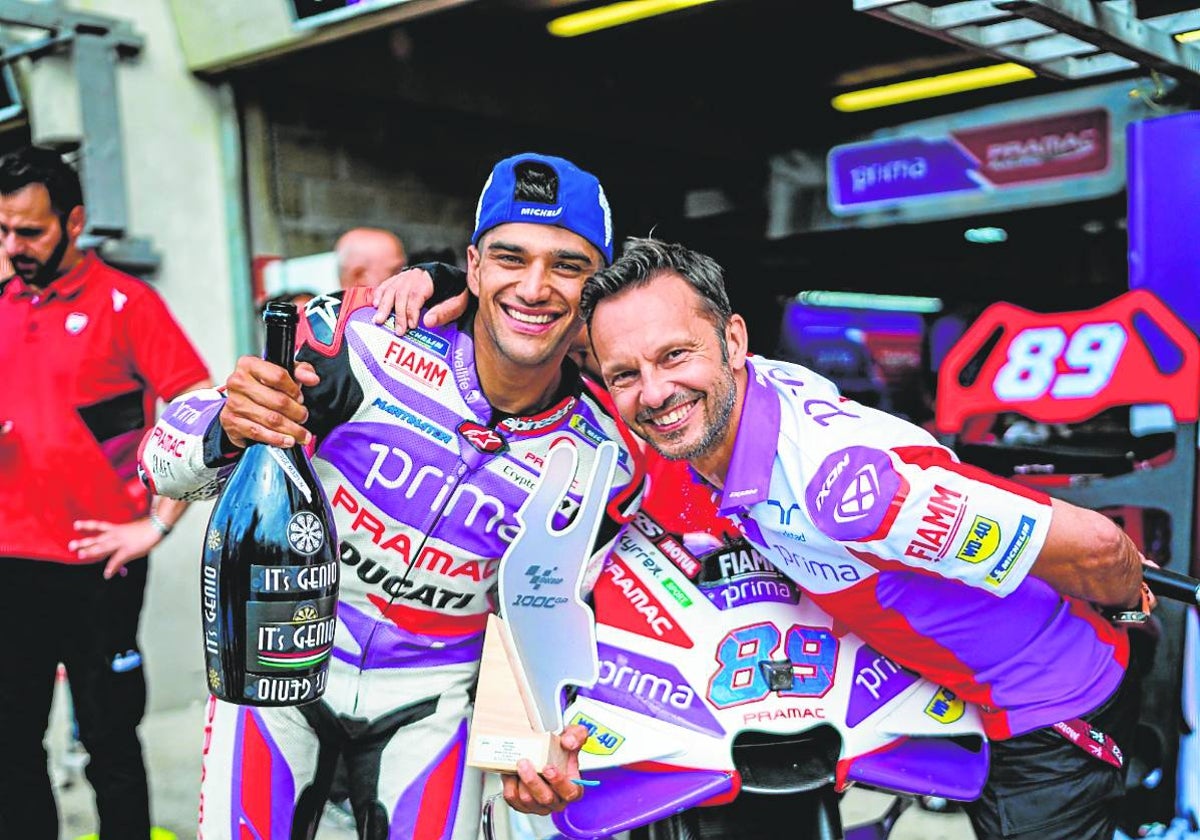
pixel 652 688
pixel 628 797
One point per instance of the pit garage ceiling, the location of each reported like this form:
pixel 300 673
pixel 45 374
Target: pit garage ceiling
pixel 755 76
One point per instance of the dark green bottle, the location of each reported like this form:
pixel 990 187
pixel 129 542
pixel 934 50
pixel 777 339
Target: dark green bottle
pixel 269 581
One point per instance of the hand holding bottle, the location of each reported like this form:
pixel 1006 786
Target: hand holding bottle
pixel 264 404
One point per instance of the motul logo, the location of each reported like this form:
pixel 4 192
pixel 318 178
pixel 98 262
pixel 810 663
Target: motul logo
pixel 482 438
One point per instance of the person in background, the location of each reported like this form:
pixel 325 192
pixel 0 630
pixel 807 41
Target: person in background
pixel 87 351
pixel 1022 610
pixel 367 256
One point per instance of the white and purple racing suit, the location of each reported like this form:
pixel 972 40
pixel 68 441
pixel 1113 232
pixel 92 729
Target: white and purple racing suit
pixel 424 478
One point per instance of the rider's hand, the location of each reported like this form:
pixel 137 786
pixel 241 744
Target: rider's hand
pixel 263 404
pixel 119 543
pixel 405 293
pixel 551 790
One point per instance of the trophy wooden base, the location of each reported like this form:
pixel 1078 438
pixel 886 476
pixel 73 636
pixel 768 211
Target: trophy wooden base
pixel 501 732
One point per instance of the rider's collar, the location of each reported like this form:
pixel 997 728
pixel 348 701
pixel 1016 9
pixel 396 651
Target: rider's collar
pixel 748 480
pixel 555 410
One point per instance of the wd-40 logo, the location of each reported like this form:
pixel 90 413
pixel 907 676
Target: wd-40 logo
pixel 945 707
pixel 982 540
pixel 539 577
pixel 601 740
pixel 482 438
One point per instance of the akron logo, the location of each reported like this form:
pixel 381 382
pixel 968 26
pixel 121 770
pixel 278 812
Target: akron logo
pixel 305 533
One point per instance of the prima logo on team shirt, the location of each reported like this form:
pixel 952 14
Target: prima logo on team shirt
pixel 393 469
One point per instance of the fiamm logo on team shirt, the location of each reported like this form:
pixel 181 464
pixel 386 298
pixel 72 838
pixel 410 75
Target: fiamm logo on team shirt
pixel 1000 571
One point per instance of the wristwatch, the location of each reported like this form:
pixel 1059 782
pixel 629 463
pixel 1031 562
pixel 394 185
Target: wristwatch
pixel 1134 616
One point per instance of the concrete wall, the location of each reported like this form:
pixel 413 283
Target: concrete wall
pixel 179 199
pixel 219 34
pixel 312 176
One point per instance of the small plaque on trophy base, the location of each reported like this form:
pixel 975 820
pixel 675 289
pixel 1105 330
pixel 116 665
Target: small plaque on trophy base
pixel 501 732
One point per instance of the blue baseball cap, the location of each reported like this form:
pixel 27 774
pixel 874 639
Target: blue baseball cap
pixel 581 208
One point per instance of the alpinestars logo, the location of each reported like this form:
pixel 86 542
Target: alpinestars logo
pixel 482 438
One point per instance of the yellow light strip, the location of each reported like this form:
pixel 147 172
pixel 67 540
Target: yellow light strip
pixel 931 86
pixel 1188 37
pixel 615 14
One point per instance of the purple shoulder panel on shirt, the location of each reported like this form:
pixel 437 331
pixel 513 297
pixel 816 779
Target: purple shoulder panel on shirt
pixel 849 495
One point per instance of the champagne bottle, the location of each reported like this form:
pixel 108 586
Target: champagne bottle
pixel 269 583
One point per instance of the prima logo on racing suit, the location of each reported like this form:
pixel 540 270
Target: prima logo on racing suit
pixel 430 479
